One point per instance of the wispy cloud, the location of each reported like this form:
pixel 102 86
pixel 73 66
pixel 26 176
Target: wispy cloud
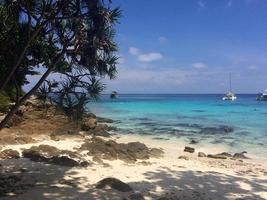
pixel 145 57
pixel 148 57
pixel 134 51
pixel 199 65
pixel 252 67
pixel 163 39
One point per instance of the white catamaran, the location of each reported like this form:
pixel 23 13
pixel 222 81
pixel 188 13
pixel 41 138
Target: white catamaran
pixel 230 95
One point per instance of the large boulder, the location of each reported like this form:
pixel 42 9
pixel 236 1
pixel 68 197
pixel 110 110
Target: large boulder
pixel 9 153
pixel 201 154
pixel 240 155
pixel 111 150
pixel 113 183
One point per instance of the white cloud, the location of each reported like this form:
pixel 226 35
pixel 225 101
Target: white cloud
pixel 134 51
pixel 148 57
pixel 163 39
pixel 199 65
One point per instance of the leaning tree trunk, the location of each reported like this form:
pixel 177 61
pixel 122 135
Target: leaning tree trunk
pixel 15 108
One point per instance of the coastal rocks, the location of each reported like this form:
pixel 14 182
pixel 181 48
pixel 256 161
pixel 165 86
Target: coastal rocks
pixel 114 184
pixel 9 154
pixel 193 142
pixel 88 124
pixel 111 150
pixel 201 155
pixel 189 149
pixel 216 156
pixel 104 120
pixel 53 155
pixel 16 140
pixel 240 155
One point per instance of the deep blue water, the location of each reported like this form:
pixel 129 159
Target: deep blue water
pixel 239 125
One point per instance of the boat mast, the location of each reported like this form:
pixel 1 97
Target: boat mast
pixel 230 82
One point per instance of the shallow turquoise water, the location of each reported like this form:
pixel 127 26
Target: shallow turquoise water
pixel 186 117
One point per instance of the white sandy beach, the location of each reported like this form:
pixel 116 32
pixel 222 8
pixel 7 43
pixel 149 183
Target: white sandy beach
pixel 170 177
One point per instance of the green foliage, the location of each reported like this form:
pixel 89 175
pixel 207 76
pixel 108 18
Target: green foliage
pixel 4 102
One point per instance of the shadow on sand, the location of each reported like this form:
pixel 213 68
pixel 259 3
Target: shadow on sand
pixel 46 182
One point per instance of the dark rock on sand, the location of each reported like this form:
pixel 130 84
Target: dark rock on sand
pixel 216 156
pixel 193 142
pixel 189 149
pixel 53 155
pixel 9 154
pixel 201 154
pixel 156 153
pixel 240 155
pixel 114 184
pixel 225 154
pixel 111 150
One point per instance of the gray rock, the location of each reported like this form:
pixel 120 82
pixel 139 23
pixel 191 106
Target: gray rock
pixel 189 149
pixel 216 156
pixel 114 184
pixel 240 155
pixel 9 154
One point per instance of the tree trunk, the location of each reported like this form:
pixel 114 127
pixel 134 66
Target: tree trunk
pixel 15 108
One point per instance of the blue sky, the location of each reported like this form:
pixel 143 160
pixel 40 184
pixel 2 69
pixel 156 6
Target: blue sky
pixel 191 46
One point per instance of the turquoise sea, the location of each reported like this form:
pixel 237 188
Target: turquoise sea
pixel 240 125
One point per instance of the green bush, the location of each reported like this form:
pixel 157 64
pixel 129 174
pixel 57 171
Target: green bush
pixel 4 102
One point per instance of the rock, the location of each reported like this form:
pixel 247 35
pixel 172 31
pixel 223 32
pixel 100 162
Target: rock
pixel 201 154
pixel 14 121
pixel 9 153
pixel 183 157
pixel 16 140
pixel 90 115
pixel 111 150
pixel 189 149
pixel 104 120
pixel 22 109
pixel 88 124
pixel 97 160
pixel 216 156
pixel 114 184
pixel 225 154
pixel 53 155
pixel 240 155
pixel 193 142
pixel 156 153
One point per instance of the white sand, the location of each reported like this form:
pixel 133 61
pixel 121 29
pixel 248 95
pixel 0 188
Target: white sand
pixel 196 178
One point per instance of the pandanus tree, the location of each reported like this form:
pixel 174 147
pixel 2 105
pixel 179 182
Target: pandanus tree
pixel 62 36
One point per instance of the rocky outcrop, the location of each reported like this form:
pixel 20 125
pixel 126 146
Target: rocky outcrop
pixel 11 139
pixel 111 150
pixel 216 156
pixel 9 154
pixel 240 155
pixel 53 155
pixel 114 184
pixel 88 124
pixel 189 149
